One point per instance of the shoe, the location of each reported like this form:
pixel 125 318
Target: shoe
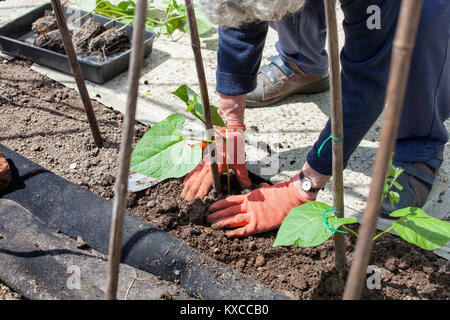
pixel 417 180
pixel 279 80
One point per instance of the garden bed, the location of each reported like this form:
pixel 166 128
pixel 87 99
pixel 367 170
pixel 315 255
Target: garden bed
pixel 45 122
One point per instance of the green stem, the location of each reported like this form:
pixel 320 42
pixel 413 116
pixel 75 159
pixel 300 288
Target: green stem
pixel 385 194
pixel 105 12
pixel 215 131
pixel 168 20
pixel 124 26
pixel 380 234
pixel 81 18
pixel 349 230
pixel 90 12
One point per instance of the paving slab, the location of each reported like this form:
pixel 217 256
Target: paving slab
pixel 289 128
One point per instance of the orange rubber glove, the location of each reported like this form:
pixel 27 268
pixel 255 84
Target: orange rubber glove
pixel 198 183
pixel 259 211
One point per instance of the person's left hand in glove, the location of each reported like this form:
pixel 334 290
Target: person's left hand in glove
pixel 198 182
pixel 263 209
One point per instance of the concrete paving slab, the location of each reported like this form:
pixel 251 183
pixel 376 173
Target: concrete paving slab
pixel 289 128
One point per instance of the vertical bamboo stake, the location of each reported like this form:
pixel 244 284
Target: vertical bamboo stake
pixel 195 42
pixel 76 71
pixel 404 43
pixel 337 131
pixel 120 188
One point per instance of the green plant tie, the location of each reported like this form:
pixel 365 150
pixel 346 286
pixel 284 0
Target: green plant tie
pixel 323 143
pixel 326 222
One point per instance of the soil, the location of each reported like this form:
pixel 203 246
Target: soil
pixel 45 122
pixel 45 24
pixel 52 41
pixel 92 38
pixel 88 31
pixel 110 41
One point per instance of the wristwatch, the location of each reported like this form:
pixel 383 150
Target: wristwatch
pixel 306 184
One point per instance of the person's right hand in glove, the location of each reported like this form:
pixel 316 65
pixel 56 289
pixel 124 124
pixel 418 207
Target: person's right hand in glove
pixel 198 183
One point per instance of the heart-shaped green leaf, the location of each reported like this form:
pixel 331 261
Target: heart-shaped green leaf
pixel 394 197
pixel 194 106
pixel 304 226
pixel 123 5
pixel 163 152
pixel 418 228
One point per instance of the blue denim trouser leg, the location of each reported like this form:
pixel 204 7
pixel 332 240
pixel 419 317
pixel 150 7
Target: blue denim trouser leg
pixel 302 38
pixel 365 62
pixel 422 134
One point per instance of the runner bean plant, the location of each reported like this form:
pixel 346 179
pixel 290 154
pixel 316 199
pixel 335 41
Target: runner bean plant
pixel 164 151
pixel 163 19
pixel 312 223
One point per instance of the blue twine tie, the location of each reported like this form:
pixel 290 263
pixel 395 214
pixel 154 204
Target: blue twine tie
pixel 323 143
pixel 326 222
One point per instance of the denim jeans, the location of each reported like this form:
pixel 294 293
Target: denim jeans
pixel 365 61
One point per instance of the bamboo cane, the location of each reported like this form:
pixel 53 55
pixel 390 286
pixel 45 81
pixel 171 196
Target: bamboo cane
pixel 337 131
pixel 404 43
pixel 195 42
pixel 120 188
pixel 76 71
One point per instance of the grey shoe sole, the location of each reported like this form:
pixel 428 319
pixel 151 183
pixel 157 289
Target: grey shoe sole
pixel 313 88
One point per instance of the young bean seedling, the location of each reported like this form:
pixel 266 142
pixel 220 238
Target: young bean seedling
pixel 164 152
pixel 312 223
pixel 162 20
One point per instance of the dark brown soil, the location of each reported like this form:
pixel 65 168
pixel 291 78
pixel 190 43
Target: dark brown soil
pixel 45 122
pixel 110 41
pixel 87 32
pixel 45 24
pixel 92 38
pixel 51 40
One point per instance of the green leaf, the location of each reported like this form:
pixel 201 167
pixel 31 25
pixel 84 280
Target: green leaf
pixel 386 187
pixel 163 152
pixel 304 226
pixel 418 228
pixel 188 96
pixel 170 26
pixel 123 5
pixel 391 169
pixel 398 185
pixel 394 197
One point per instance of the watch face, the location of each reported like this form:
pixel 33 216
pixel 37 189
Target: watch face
pixel 306 184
